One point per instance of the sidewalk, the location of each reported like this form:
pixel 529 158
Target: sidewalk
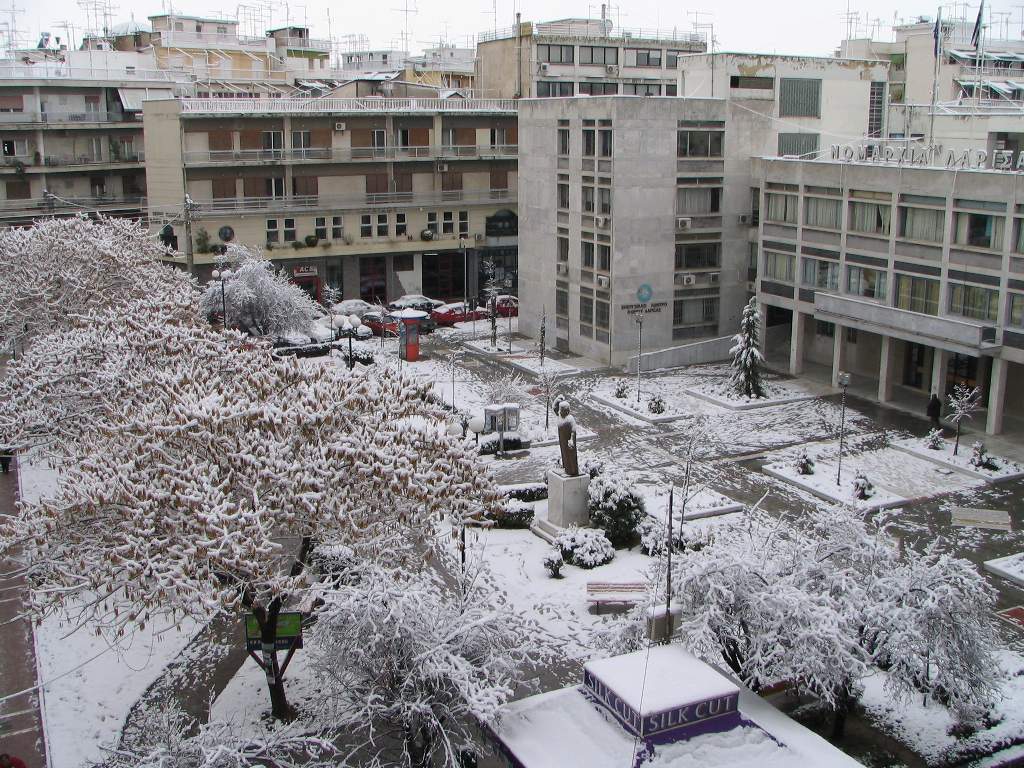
pixel 21 729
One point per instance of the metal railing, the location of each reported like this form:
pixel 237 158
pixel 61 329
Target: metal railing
pixel 969 106
pixel 333 154
pixel 231 205
pixel 334 106
pixel 47 70
pixel 102 116
pixel 179 38
pixel 56 161
pixel 595 28
pixel 69 204
pixel 988 72
pixel 305 43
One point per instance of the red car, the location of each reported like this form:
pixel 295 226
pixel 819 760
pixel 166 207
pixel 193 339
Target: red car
pixel 507 306
pixel 456 312
pixel 380 323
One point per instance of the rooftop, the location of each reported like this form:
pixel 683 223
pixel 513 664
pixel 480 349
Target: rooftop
pixel 591 29
pixel 346 106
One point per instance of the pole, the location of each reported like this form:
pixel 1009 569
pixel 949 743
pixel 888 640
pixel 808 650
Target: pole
pixel 668 566
pixel 223 304
pixel 190 264
pixel 639 352
pixel 510 331
pixel 935 77
pixel 351 361
pixel 453 381
pixel 842 429
pixel 462 546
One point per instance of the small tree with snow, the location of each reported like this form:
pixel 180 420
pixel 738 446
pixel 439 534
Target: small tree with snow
pixel 747 360
pixel 622 389
pixel 804 463
pixel 934 440
pixel 547 380
pixel 553 562
pixel 506 388
pixel 585 547
pixel 863 488
pixel 964 401
pixel 492 289
pixel 980 457
pixel 616 507
pixel 656 404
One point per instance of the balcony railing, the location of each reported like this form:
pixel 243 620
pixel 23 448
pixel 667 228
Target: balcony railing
pixel 57 118
pixel 64 205
pixel 231 205
pixel 594 28
pixel 57 161
pixel 336 154
pixel 333 106
pixel 305 43
pixel 176 38
pixel 48 70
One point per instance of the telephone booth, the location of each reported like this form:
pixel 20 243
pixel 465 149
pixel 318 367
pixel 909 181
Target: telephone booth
pixel 409 333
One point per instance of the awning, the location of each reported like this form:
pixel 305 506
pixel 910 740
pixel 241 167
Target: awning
pixel 1019 86
pixel 964 56
pixel 313 84
pixel 132 98
pixel 1003 89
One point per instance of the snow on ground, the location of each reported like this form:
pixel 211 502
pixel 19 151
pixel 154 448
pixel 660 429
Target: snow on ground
pixel 1006 469
pixel 89 687
pixel 778 391
pixel 530 363
pixel 701 502
pixel 480 329
pixel 1010 567
pixel 926 728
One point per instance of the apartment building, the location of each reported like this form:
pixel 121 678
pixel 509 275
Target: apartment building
pixel 576 57
pixel 909 274
pixel 376 197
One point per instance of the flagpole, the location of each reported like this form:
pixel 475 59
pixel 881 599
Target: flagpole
pixel 979 47
pixel 935 78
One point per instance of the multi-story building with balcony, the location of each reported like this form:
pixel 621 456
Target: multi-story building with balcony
pixel 376 197
pixel 574 57
pixel 908 275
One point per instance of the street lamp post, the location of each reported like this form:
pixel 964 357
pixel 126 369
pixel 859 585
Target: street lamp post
pixel 476 426
pixel 221 275
pixel 639 352
pixel 844 382
pixel 347 326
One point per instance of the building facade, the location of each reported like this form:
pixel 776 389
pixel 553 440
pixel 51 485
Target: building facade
pixel 910 275
pixel 373 197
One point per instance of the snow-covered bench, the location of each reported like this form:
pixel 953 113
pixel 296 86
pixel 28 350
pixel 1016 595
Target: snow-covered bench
pixel 625 593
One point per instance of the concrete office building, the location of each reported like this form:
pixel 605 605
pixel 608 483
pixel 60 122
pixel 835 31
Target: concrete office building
pixel 376 197
pixel 909 276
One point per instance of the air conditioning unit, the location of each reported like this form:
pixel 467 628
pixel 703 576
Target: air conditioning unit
pixel 339 126
pixel 601 222
pixel 685 279
pixel 713 277
pixel 683 222
pixel 562 269
pixel 544 66
pixel 603 282
pixel 442 167
pixel 479 237
pixel 612 69
pixel 747 219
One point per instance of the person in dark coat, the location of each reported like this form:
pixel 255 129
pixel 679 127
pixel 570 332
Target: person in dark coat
pixel 935 410
pixel 5 466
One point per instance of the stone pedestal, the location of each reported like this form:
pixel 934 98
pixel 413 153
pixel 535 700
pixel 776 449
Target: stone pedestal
pixel 568 501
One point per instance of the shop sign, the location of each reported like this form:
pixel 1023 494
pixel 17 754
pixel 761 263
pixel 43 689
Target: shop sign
pixel 929 156
pixel 306 271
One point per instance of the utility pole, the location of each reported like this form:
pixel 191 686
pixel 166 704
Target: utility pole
pixel 190 208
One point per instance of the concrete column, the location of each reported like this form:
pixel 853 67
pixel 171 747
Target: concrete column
pixel 762 329
pixel 838 353
pixel 886 366
pixel 796 343
pixel 350 277
pixel 940 364
pixel 996 396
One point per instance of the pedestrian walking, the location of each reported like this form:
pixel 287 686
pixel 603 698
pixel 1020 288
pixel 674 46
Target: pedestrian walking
pixel 10 761
pixel 5 466
pixel 934 410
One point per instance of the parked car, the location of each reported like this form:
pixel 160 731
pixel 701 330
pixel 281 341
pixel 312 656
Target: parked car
pixel 416 301
pixel 380 323
pixel 356 307
pixel 507 306
pixel 456 312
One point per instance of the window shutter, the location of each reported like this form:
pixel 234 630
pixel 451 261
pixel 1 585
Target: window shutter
pixel 219 141
pixel 451 182
pixel 799 97
pixel 797 143
pixel 376 183
pixel 305 185
pixel 251 139
pixel 320 138
pixel 362 137
pixel 465 137
pixel 223 188
pixel 18 190
pixel 403 182
pixel 499 178
pixel 419 137
pixel 254 186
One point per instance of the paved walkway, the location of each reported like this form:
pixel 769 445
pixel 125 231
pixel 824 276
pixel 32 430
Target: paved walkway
pixel 21 730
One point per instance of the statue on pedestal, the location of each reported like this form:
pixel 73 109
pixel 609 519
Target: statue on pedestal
pixel 567 440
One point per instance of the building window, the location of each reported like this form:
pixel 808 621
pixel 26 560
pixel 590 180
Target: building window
pixel 275 187
pixel 699 255
pixel 696 310
pixel 401 228
pixel 320 227
pixel 382 225
pixel 699 143
pixel 605 143
pixel 366 225
pixel 699 201
pixel 289 230
pixel 586 310
pixel 587 199
pixel 432 221
pixel 876 107
pixel 604 197
pixel 779 266
pixel 978 230
pixel 798 144
pixel 799 97
pixel 555 54
pixel 598 89
pixel 824 328
pixel 781 208
pixel 641 89
pixel 561 302
pixel 448 223
pixel 752 83
pixel 562 249
pixel 563 141
pixel 463 223
pixel 403 262
pixel 587 255
pixel 601 314
pixel 301 140
pixel 273 235
pixel 867 283
pixel 1015 312
pixel 589 142
pixel 604 258
pixel 337 228
pixel 974 302
pixel 672 59
pixel 554 88
pixel 823 212
pixel 819 273
pixel 643 57
pixel 917 294
pixel 273 143
pixel 563 196
pixel 593 54
pixel 870 218
pixel 923 224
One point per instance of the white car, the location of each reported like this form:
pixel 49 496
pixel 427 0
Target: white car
pixel 416 301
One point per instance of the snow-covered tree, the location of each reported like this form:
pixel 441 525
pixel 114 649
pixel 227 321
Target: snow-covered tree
pixel 964 401
pixel 412 666
pixel 616 507
pixel 547 380
pixel 258 299
pixel 506 388
pixel 492 289
pixel 747 359
pixel 59 270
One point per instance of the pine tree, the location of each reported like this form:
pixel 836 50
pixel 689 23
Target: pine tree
pixel 746 357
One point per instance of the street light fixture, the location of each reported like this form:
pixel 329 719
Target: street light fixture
pixel 844 381
pixel 347 326
pixel 221 275
pixel 476 426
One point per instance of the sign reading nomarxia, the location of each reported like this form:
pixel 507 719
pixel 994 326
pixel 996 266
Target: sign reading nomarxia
pixel 929 156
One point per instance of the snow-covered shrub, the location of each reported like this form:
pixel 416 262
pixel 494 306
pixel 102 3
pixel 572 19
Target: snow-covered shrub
pixel 526 491
pixel 980 458
pixel 333 562
pixel 506 388
pixel 934 440
pixel 622 389
pixel 804 464
pixel 513 441
pixel 361 355
pixel 592 467
pixel 511 514
pixel 862 487
pixel 553 562
pixel 615 506
pixel 652 536
pixel 656 404
pixel 585 547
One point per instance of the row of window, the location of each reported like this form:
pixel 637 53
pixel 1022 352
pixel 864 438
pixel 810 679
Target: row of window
pixel 375 138
pixel 565 88
pixel 370 225
pixel 594 142
pixel 600 54
pixel 288 233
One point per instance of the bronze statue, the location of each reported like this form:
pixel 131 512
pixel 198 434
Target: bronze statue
pixel 567 440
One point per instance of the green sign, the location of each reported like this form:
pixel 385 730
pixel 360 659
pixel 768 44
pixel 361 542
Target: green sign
pixel 289 630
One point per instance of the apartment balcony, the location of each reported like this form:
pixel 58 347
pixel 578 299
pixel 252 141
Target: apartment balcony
pixel 65 206
pixel 51 163
pixel 58 70
pixel 333 107
pixel 87 119
pixel 235 205
pixel 315 155
pixel 304 44
pixel 172 38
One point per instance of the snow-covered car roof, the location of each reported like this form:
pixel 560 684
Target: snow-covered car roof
pixel 453 305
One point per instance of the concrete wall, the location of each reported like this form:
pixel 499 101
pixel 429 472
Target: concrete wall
pixel 707 351
pixel 165 174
